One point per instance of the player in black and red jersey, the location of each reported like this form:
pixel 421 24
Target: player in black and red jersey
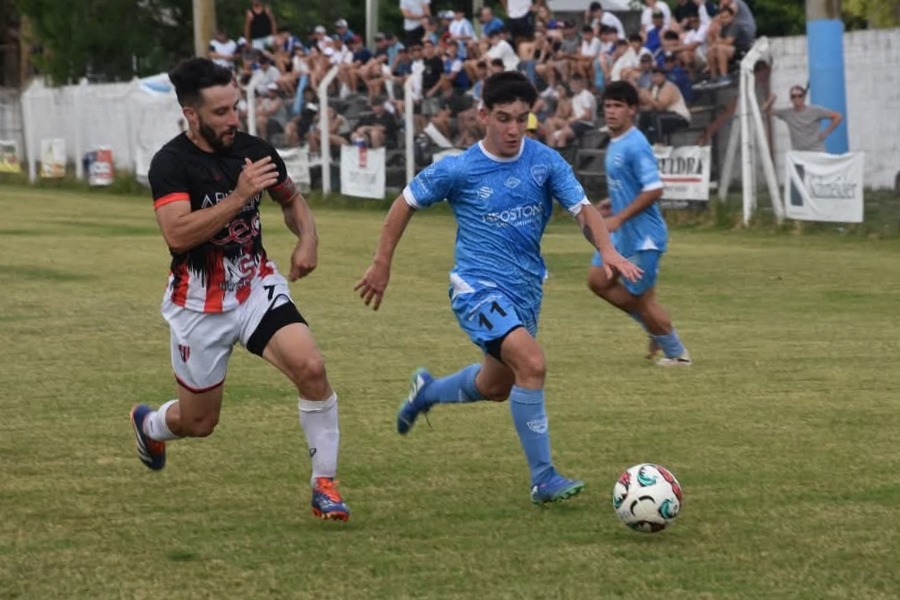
pixel 207 186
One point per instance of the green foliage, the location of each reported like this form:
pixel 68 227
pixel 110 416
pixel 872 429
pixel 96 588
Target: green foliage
pixel 779 17
pixel 878 13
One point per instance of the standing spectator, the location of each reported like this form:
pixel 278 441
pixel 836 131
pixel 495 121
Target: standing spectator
pixel 259 25
pixel 519 19
pixel 461 31
pixel 647 14
pixel 804 121
pixel 222 49
pixel 413 11
pixel 664 109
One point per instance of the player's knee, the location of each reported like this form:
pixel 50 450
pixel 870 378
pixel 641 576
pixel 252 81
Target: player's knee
pixel 199 426
pixel 309 371
pixel 532 368
pixel 598 283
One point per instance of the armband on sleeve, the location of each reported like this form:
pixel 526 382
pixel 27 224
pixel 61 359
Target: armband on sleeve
pixel 283 192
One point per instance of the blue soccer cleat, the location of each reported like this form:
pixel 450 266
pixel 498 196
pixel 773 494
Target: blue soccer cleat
pixel 412 406
pixel 327 502
pixel 555 489
pixel 151 452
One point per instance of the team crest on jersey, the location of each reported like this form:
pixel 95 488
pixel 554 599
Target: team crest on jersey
pixel 185 352
pixel 539 174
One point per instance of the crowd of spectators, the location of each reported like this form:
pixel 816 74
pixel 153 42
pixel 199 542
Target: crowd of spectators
pixel 673 52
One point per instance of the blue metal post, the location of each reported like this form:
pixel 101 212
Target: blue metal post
pixel 825 43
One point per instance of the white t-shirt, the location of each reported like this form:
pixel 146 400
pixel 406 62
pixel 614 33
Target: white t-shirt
pixel 516 9
pixel 628 60
pixel 591 49
pixel 504 52
pixel 611 20
pixel 697 35
pixel 229 47
pixel 585 101
pixel 417 7
pixel 647 15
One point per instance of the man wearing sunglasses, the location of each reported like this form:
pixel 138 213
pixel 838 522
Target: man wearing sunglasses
pixel 804 120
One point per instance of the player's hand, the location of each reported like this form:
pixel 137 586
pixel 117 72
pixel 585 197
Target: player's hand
pixel 373 283
pixel 613 222
pixel 604 207
pixel 255 177
pixel 304 260
pixel 613 261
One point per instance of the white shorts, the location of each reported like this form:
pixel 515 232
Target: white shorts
pixel 202 342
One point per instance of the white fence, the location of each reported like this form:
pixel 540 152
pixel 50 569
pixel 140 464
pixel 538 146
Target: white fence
pixel 133 119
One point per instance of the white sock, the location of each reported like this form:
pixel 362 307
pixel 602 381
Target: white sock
pixel 155 424
pixel 319 420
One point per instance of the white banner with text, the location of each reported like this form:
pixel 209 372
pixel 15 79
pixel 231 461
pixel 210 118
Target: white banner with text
pixel 362 172
pixel 685 174
pixel 824 187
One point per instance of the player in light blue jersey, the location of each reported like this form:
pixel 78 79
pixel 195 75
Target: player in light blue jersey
pixel 501 191
pixel 638 229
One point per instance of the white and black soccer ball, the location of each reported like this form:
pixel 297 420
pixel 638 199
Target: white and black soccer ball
pixel 647 497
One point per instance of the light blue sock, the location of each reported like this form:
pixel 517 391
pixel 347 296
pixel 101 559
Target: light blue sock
pixel 640 321
pixel 459 387
pixel 670 344
pixel 530 418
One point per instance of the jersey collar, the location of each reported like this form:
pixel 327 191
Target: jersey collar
pixel 501 159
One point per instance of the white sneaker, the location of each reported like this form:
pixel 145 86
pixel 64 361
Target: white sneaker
pixel 681 361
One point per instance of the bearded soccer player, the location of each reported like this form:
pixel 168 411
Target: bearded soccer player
pixel 501 191
pixel 638 229
pixel 207 186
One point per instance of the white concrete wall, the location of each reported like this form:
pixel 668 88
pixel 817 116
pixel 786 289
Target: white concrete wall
pixel 872 71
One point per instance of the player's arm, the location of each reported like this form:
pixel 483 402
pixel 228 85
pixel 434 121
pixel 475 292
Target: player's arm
pixel 375 280
pixel 646 171
pixel 184 229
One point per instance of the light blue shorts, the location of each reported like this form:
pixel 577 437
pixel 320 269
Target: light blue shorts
pixel 648 261
pixel 487 314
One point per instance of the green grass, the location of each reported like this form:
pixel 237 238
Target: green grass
pixel 783 435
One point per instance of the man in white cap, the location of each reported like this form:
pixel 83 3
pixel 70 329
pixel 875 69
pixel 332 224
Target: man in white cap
pixel 342 29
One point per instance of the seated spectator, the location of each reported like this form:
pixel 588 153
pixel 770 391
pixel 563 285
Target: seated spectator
pixel 584 117
pixel 377 129
pixel 455 77
pixel 343 30
pixel 266 75
pixel 804 121
pixel 663 109
pixel 730 44
pixel 544 18
pixel 669 45
pixel 222 50
pixel 562 113
pixel 564 53
pixel 641 77
pixel 583 62
pixel 653 33
pixel 461 32
pixel 337 130
pixel 288 82
pixel 630 60
pixel 283 45
pixel 598 18
pixel 353 70
pixel 447 120
pixel 693 48
pixel 677 75
pixel 430 27
pixel 297 128
pixel 501 49
pixel 271 113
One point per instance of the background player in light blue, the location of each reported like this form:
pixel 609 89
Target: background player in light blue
pixel 638 229
pixel 501 191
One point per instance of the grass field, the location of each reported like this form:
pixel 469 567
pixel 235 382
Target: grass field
pixel 784 434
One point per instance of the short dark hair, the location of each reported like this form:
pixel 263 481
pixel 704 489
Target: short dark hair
pixel 194 75
pixel 621 91
pixel 670 35
pixel 595 6
pixel 635 37
pixel 506 87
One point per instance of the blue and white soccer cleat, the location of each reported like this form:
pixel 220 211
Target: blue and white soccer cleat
pixel 151 452
pixel 412 407
pixel 555 489
pixel 327 502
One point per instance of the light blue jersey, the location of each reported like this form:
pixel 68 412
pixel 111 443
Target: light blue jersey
pixel 631 168
pixel 502 206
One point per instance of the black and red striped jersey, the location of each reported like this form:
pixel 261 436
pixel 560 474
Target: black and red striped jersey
pixel 219 274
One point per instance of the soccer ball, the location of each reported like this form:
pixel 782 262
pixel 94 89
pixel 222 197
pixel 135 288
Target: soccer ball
pixel 647 497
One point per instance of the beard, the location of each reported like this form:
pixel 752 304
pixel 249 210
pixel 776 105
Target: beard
pixel 216 142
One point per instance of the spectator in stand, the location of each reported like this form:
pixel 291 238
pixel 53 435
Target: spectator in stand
pixel 259 25
pixel 461 32
pixel 562 112
pixel 379 65
pixel 663 109
pixel 377 129
pixel 297 128
pixel 413 11
pixel 596 17
pixel 445 17
pixel 501 49
pixel 677 75
pixel 731 43
pixel 283 45
pixel 533 128
pixel 584 117
pixel 650 6
pixel 267 75
pixel 544 16
pixel 628 60
pixel 583 63
pixel 804 122
pixel 337 132
pixel 692 50
pixel 351 72
pixel 222 50
pixel 743 17
pixel 342 28
pixel 668 45
pixel 271 113
pixel 519 19
pixel 429 25
pixel 496 66
pixel 569 47
pixel 653 34
pixel 433 69
pixel 489 24
pixel 289 81
pixel 642 77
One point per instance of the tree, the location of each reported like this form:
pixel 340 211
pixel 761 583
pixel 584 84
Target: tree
pixel 876 13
